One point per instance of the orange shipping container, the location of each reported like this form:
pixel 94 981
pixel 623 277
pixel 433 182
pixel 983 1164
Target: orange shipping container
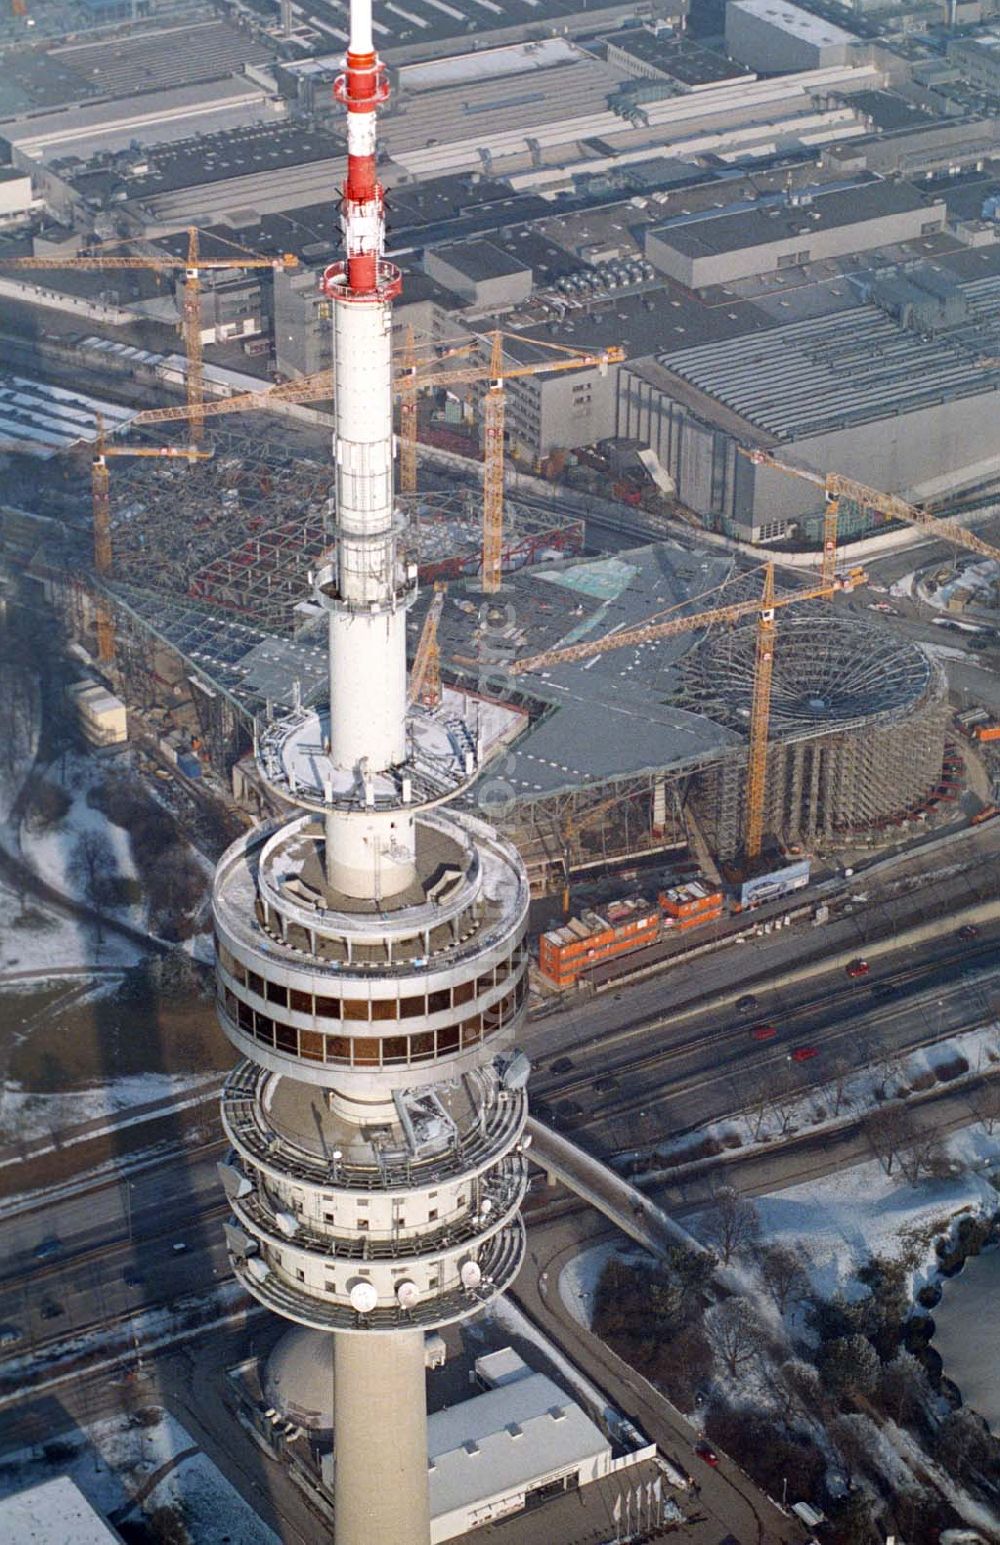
pixel 987 732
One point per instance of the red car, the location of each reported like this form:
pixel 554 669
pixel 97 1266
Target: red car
pixel 706 1452
pixel 858 968
pixel 763 1033
pixel 804 1053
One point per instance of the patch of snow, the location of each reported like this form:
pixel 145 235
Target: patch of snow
pixel 841 1219
pixel 201 947
pixel 51 853
pixel 213 1510
pixel 34 940
pixel 24 1116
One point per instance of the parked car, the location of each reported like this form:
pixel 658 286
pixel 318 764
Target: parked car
pixel 706 1452
pixel 968 931
pixel 562 1065
pixel 746 1003
pixel 858 968
pixel 47 1249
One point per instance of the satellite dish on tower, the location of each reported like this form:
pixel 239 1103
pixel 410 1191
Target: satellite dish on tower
pixel 407 1294
pixel 363 1297
pixel 470 1274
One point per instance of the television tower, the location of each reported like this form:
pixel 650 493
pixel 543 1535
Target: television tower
pixel 371 959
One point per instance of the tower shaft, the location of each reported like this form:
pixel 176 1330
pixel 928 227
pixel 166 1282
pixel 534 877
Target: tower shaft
pixel 371 960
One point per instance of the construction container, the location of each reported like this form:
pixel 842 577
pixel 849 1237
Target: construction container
pixel 986 732
pixel 689 906
pixel 585 941
pixel 188 764
pixel 103 718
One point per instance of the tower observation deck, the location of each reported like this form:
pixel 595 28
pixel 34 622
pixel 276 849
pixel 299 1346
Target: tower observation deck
pixel 371 962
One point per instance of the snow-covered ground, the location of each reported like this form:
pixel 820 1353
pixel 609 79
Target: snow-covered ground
pixel 34 940
pixel 110 1460
pixel 25 1117
pixel 841 1219
pixel 51 852
pixel 213 1511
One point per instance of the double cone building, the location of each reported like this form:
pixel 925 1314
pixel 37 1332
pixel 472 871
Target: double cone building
pixel 371 960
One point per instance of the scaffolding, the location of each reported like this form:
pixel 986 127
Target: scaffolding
pixel 241 532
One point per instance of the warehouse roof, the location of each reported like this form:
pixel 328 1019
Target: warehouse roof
pixel 777 219
pixel 854 367
pixel 677 57
pixel 480 260
pixel 509 1438
pixel 804 25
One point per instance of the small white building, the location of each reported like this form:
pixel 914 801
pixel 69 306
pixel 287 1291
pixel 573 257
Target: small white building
pixel 54 1513
pixel 103 718
pixel 524 1438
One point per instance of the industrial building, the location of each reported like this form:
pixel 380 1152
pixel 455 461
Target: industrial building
pixel 776 233
pixel 481 273
pixel 856 391
pixel 771 36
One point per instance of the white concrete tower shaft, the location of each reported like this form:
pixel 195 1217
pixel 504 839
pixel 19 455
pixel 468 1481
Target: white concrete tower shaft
pixel 371 963
pixel 370 589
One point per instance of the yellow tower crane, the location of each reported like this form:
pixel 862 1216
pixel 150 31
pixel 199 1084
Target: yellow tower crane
pixel 408 382
pixel 836 487
pixel 425 673
pixel 100 498
pixel 764 607
pixel 193 266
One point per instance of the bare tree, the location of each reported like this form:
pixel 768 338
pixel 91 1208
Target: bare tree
pixel 856 1441
pixel 798 1390
pixel 905 1387
pixel 733 1223
pixel 984 1102
pixel 783 1273
pixel 840 1074
pixel 91 866
pixel 887 1070
pixel 735 1334
pixel 889 1129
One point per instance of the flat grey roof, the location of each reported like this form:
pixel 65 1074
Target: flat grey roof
pixel 508 1438
pixel 792 19
pixel 606 717
pixel 774 220
pixel 480 260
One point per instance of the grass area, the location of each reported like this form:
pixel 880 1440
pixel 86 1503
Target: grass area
pixel 155 1023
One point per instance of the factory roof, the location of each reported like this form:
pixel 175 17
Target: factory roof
pixel 52 1513
pixel 776 219
pixel 801 24
pixel 677 57
pixel 209 158
pixel 418 29
pixel 487 64
pixel 479 260
pixel 505 1439
pixel 152 116
pixel 155 58
pixel 842 370
pixel 43 419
